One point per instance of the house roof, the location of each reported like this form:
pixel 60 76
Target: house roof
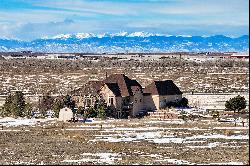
pixel 114 88
pixel 91 87
pixel 124 83
pixel 166 87
pixel 96 84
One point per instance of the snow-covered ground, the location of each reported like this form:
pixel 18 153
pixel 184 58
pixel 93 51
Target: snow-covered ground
pixel 8 121
pixel 96 158
pixel 162 134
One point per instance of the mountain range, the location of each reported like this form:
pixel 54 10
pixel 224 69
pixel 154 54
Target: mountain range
pixel 128 42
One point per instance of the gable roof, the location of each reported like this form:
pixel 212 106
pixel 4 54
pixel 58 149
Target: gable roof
pixel 114 88
pixel 96 84
pixel 124 83
pixel 91 87
pixel 166 87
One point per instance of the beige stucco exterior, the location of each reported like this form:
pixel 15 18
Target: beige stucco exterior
pixel 167 98
pixel 85 101
pixel 151 102
pixel 127 98
pixel 108 94
pixel 156 102
pixel 137 100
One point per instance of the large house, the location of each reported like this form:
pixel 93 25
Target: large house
pixel 126 95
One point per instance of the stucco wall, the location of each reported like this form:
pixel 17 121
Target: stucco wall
pixel 137 103
pixel 167 98
pixel 107 93
pixel 151 102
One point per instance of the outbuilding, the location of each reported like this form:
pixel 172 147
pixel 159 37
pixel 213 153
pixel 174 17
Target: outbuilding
pixel 65 114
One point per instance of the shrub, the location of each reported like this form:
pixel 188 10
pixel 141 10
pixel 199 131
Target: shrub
pixel 237 103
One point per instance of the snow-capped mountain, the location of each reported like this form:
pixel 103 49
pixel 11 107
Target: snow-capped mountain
pixel 128 42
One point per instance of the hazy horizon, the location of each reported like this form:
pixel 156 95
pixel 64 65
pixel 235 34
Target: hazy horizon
pixel 34 19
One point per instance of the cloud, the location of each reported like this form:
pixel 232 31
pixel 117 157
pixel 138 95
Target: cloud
pixel 30 30
pixel 30 19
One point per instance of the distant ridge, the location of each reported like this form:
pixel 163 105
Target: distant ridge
pixel 128 42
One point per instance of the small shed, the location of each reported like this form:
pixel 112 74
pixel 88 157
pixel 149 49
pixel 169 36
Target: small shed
pixel 65 114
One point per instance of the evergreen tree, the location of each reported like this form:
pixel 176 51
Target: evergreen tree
pixel 45 104
pixel 8 106
pixel 237 103
pixel 69 102
pixel 28 110
pixel 80 110
pixel 101 113
pixel 57 105
pixel 90 113
pixel 18 104
pixel 14 105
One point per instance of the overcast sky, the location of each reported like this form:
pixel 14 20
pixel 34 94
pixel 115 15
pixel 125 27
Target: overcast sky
pixel 31 19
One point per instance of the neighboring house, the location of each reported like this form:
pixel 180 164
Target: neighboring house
pixel 65 114
pixel 159 93
pixel 126 96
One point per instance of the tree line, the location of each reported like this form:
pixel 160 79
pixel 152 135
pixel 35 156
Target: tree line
pixel 16 106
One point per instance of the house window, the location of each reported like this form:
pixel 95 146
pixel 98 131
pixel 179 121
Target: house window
pixel 87 102
pixel 140 100
pixel 111 101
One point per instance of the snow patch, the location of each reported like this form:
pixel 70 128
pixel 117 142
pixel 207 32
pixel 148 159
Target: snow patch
pixel 8 121
pixel 100 158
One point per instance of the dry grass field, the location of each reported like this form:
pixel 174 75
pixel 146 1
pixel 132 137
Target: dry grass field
pixel 37 76
pixel 133 141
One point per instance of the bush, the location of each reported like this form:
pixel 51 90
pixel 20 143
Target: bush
pixel 229 132
pixel 237 103
pixel 90 113
pixel 101 113
pixel 215 114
